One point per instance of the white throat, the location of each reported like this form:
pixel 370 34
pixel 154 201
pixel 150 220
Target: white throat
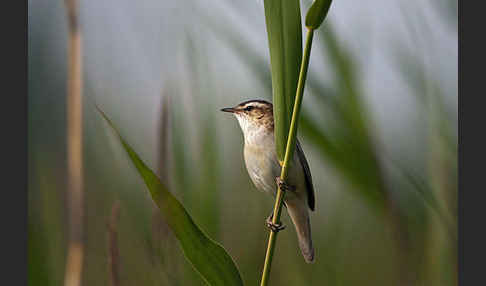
pixel 253 132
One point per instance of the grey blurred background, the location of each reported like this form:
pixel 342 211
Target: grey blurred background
pixel 390 66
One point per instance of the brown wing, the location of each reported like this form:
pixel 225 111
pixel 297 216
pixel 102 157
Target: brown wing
pixel 308 177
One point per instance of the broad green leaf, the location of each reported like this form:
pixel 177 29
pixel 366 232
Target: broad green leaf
pixel 317 13
pixel 207 257
pixel 285 42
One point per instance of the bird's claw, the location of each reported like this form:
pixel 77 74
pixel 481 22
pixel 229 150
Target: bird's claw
pixel 283 186
pixel 275 227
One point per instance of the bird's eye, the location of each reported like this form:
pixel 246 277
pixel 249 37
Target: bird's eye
pixel 248 108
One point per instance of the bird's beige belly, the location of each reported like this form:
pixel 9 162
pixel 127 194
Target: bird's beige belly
pixel 263 168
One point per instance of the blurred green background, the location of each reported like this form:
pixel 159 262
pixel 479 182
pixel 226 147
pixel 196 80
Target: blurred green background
pixel 379 129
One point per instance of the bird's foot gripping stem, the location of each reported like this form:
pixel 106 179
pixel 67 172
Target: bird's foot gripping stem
pixel 283 186
pixel 275 227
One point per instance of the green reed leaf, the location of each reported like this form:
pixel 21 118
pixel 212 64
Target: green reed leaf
pixel 207 257
pixel 285 43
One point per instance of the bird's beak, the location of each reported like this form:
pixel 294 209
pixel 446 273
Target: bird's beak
pixel 229 109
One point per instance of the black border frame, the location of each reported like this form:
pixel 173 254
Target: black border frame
pixel 14 122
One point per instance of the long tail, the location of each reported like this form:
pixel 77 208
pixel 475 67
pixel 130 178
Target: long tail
pixel 300 217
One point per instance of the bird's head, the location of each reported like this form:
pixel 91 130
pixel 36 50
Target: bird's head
pixel 253 116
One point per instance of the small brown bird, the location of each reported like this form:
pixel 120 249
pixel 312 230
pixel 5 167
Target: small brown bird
pixel 256 121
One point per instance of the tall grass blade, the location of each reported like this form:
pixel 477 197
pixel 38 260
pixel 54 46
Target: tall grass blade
pixel 289 151
pixel 285 43
pixel 207 257
pixel 289 145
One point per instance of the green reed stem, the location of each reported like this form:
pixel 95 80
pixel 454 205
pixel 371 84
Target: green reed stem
pixel 277 210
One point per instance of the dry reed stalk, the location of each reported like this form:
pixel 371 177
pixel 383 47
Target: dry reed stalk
pixel 159 227
pixel 164 139
pixel 74 260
